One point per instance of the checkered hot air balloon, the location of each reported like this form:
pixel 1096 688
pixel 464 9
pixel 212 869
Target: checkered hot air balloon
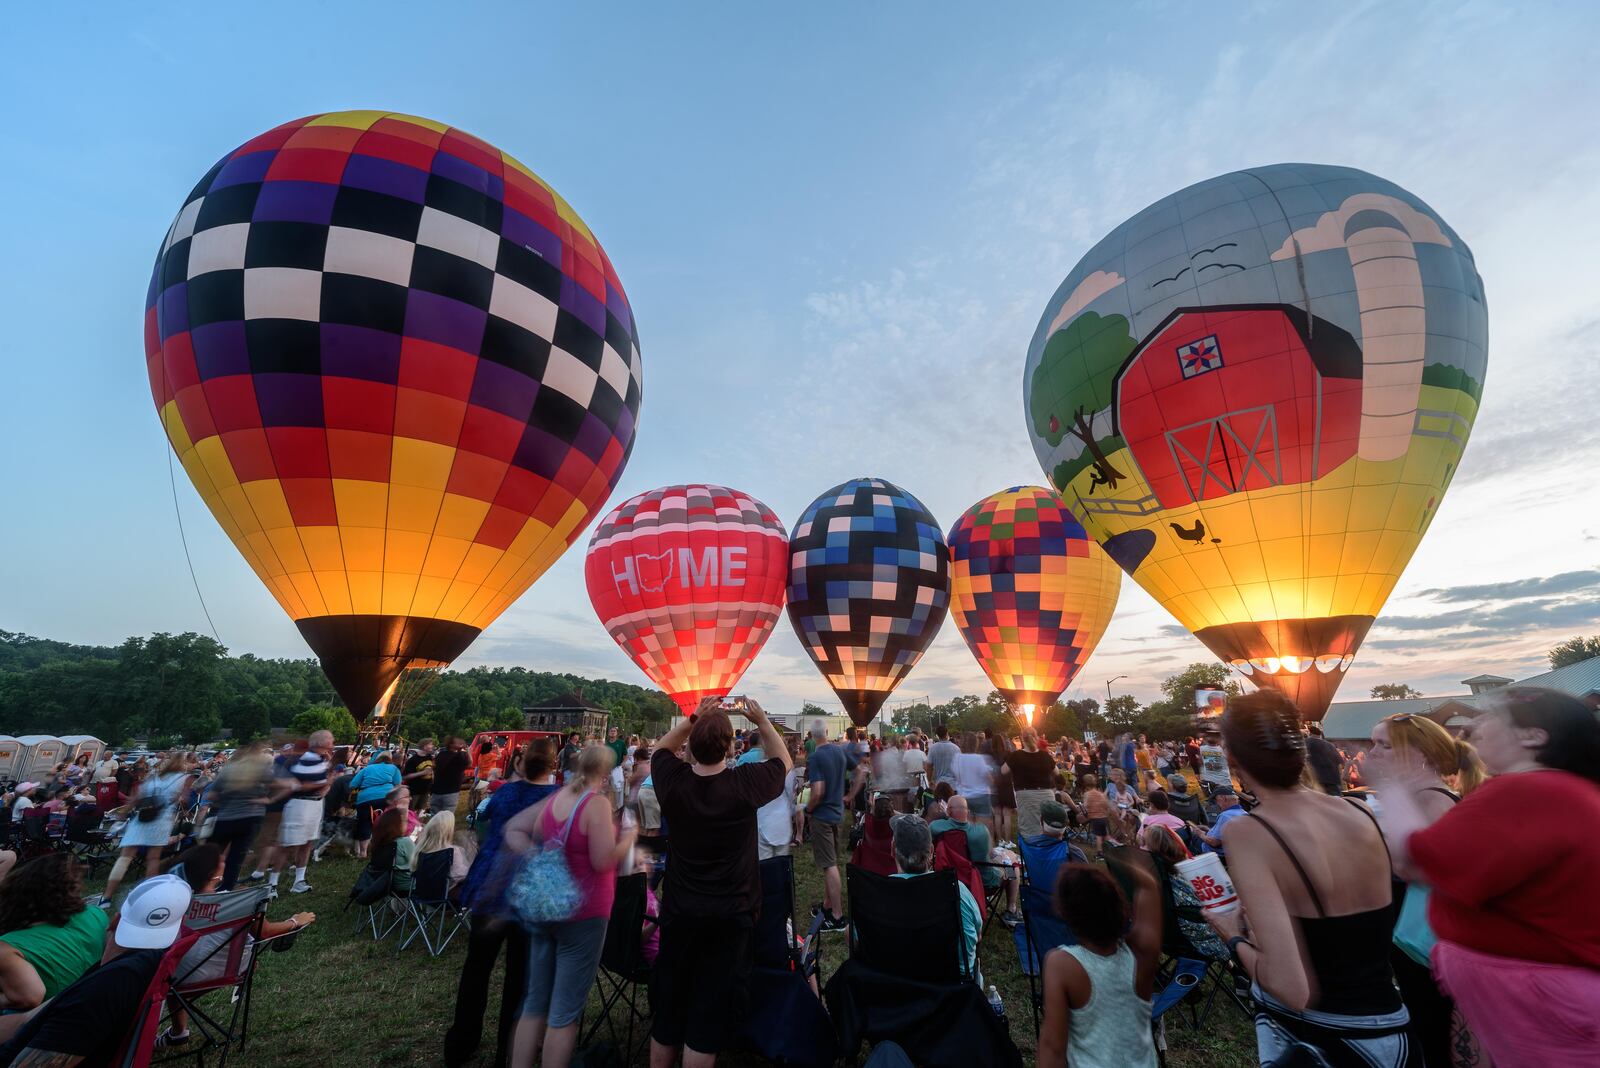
pixel 689 580
pixel 400 371
pixel 869 585
pixel 1031 592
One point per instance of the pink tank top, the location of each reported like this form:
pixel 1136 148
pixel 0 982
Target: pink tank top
pixel 599 888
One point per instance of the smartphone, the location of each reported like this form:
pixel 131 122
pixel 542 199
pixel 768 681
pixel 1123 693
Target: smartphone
pixel 732 702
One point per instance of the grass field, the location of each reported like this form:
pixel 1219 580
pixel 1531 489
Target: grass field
pixel 340 999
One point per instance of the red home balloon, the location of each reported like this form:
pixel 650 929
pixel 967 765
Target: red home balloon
pixel 689 580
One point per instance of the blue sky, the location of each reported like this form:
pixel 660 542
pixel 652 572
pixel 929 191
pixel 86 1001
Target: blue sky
pixel 837 226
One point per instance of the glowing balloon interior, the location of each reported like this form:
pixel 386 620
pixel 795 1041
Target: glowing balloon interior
pixel 869 585
pixel 1031 592
pixel 402 374
pixel 689 580
pixel 1254 394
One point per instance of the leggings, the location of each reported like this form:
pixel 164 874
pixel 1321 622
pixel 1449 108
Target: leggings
pixel 484 940
pixel 235 836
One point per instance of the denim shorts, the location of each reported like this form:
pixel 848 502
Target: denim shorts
pixel 562 961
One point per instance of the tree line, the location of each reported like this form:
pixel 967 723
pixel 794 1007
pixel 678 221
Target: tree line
pixel 167 689
pixel 1171 717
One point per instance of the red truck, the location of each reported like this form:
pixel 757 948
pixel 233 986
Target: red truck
pixel 503 745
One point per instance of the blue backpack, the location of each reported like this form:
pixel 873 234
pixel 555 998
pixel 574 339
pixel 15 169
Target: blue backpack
pixel 543 889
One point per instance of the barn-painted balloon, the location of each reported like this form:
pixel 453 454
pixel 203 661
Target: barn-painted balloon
pixel 1031 592
pixel 869 585
pixel 1254 394
pixel 401 373
pixel 689 581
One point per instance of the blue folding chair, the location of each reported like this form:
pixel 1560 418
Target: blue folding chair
pixel 1041 929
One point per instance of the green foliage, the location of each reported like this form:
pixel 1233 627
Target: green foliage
pixel 1122 713
pixel 334 718
pixel 186 687
pixel 1067 717
pixel 1394 691
pixel 1574 651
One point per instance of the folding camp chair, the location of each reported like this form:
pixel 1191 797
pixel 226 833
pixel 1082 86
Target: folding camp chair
pixel 908 927
pixel 90 845
pixel 950 846
pixel 907 979
pixel 140 1041
pixel 624 977
pixel 223 958
pixel 950 854
pixel 36 840
pixel 379 908
pixel 1041 929
pixel 429 908
pixel 786 1022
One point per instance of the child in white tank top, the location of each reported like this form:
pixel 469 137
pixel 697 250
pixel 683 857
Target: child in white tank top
pixel 1097 992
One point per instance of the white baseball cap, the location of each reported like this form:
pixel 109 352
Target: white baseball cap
pixel 153 913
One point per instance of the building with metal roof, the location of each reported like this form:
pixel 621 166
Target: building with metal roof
pixel 1352 721
pixel 1577 679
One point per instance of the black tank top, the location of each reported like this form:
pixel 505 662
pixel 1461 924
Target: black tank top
pixel 1349 954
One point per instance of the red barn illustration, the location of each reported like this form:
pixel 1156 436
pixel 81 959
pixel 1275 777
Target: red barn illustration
pixel 1222 400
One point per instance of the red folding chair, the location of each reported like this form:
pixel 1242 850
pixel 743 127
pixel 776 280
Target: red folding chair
pixel 140 1042
pixel 226 927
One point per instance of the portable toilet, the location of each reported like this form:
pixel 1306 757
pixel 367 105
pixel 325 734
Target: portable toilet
pixel 79 744
pixel 41 753
pixel 10 758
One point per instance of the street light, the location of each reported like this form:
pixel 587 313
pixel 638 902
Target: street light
pixel 1119 678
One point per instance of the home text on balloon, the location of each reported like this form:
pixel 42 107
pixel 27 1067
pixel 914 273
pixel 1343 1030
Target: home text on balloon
pixel 715 567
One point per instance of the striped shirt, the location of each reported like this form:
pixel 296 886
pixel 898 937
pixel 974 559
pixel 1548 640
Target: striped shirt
pixel 310 773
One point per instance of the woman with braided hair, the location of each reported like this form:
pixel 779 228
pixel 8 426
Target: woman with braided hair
pixel 1313 877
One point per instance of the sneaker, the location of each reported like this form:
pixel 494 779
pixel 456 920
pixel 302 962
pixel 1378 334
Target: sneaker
pixel 170 1038
pixel 1011 918
pixel 301 887
pixel 272 893
pixel 835 923
pixel 255 877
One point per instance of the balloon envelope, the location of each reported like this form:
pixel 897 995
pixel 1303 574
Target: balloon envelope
pixel 689 580
pixel 1254 394
pixel 1031 592
pixel 869 585
pixel 401 373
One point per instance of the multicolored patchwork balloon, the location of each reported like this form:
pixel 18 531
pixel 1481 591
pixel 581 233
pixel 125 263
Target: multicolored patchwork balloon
pixel 402 374
pixel 689 580
pixel 1031 592
pixel 1254 394
pixel 869 585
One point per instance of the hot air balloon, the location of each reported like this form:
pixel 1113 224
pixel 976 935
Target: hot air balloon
pixel 869 585
pixel 689 580
pixel 401 373
pixel 1254 394
pixel 1031 592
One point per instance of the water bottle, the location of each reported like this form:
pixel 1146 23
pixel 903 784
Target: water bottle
pixel 995 1003
pixel 628 823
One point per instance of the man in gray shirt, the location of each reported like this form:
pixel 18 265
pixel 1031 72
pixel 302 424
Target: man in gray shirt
pixel 942 758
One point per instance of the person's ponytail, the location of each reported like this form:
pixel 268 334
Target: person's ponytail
pixel 1470 772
